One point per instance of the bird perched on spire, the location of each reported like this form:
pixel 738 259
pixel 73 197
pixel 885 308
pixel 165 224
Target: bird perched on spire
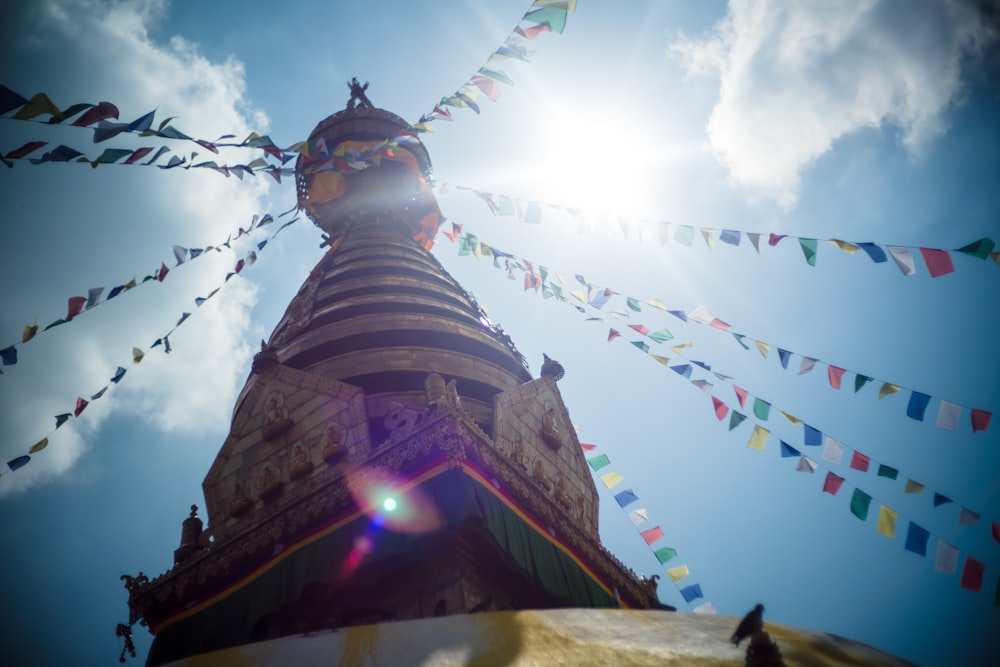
pixel 751 624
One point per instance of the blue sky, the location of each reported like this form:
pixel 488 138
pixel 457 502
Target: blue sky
pixel 873 123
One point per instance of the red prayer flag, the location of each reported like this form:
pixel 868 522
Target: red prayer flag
pixel 972 574
pixel 860 462
pixel 741 394
pixel 80 405
pixel 588 448
pixel 832 483
pixel 102 111
pixel 26 149
pixel 653 534
pixel 640 328
pixel 774 238
pixel 533 31
pixel 719 324
pixel 614 333
pixel 163 272
pixel 938 261
pixel 836 375
pixel 138 155
pixel 76 304
pixel 721 409
pixel 980 420
pixel 239 266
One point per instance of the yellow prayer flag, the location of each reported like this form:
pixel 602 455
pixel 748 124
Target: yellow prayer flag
pixel 758 438
pixel 137 355
pixel 763 347
pixel 887 521
pixel 39 446
pixel 707 233
pixel 679 349
pixel 580 296
pixel 444 188
pixel 300 147
pixel 656 303
pixel 678 573
pixel 477 250
pixel 570 4
pixel 792 420
pixel 129 285
pixel 913 487
pixel 29 332
pixel 845 246
pixel 887 389
pixel 612 479
pixel 662 360
pixel 561 277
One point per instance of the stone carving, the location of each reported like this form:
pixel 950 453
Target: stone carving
pixel 434 389
pixel 358 97
pixel 269 482
pixel 277 416
pixel 334 450
pixel 301 462
pixel 451 397
pixel 240 503
pixel 550 431
pixel 538 474
pixel 517 454
pixel 561 496
pixel 400 421
pixel 581 507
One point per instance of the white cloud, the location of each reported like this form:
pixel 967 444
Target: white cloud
pixel 797 76
pixel 105 224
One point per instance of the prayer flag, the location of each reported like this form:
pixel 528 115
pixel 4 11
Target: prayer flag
pixel 739 339
pixel 917 406
pixel 682 369
pixel 163 272
pixel 813 437
pixel 119 374
pixel 941 499
pixel 806 365
pixel 656 303
pixel 859 382
pixel 721 409
pixel 641 345
pixel 661 336
pixel 887 521
pixel 980 248
pixel 599 462
pixel 93 296
pixel 809 250
pixel 788 451
pixel 19 462
pixel 137 355
pixel 876 253
pixel 859 461
pixel 707 233
pixel 833 451
pixel 832 483
pixel 180 254
pixel 665 554
pixel 783 357
pixel 612 479
pixel 886 471
pixel 754 240
pixel 625 497
pixel 980 420
pixel 774 239
pixel 735 419
pixel 638 516
pixel 81 405
pixel 761 408
pixel 61 419
pixel 99 394
pixel 75 305
pixel 705 608
pixel 684 235
pixel 741 395
pixel 806 464
pixel 612 334
pixel 836 375
pixel 730 236
pixel 678 573
pixel 763 347
pixel 692 592
pixel 9 355
pixel 903 259
pixel 972 575
pixel 29 332
pixel 758 439
pixel 967 517
pixel 913 487
pixel 663 360
pixel 652 535
pixel 794 421
pixel 860 502
pixel 996 531
pixel 948 415
pixel 39 446
pixel 916 539
pixel 887 389
pixel 946 559
pixel 587 448
pixel 938 261
pixel 633 304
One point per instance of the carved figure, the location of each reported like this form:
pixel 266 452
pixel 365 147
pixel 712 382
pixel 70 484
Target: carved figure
pixel 561 496
pixel 581 506
pixel 517 454
pixel 301 465
pixel 240 502
pixel 268 482
pixel 550 431
pixel 358 97
pixel 400 420
pixel 133 584
pixel 334 449
pixel 538 474
pixel 452 399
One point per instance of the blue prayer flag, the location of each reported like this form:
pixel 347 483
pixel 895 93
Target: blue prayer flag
pixel 9 355
pixel 119 374
pixel 916 539
pixel 683 369
pixel 19 462
pixel 941 500
pixel 917 406
pixel 692 592
pixel 787 450
pixel 874 251
pixel 812 436
pixel 784 356
pixel 626 497
pixel 730 236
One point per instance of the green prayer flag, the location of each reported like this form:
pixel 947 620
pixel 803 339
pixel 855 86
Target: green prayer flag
pixel 665 554
pixel 555 17
pixel 980 248
pixel 860 502
pixel 505 205
pixel 684 235
pixel 860 381
pixel 886 471
pixel 641 345
pixel 739 339
pixel 633 304
pixel 735 419
pixel 464 246
pixel 496 75
pixel 110 155
pixel 809 250
pixel 557 291
pixel 761 408
pixel 661 336
pixel 599 462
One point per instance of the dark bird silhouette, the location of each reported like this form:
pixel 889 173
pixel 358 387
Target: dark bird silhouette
pixel 751 624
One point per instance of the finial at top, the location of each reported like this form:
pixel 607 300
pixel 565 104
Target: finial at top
pixel 552 368
pixel 358 97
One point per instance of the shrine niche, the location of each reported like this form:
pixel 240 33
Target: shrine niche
pixel 550 430
pixel 301 463
pixel 333 447
pixel 276 416
pixel 562 498
pixel 539 476
pixel 269 483
pixel 240 503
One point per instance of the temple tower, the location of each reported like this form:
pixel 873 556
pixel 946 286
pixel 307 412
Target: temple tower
pixel 390 456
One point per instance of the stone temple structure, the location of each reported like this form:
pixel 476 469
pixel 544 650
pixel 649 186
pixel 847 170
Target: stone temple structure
pixel 396 488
